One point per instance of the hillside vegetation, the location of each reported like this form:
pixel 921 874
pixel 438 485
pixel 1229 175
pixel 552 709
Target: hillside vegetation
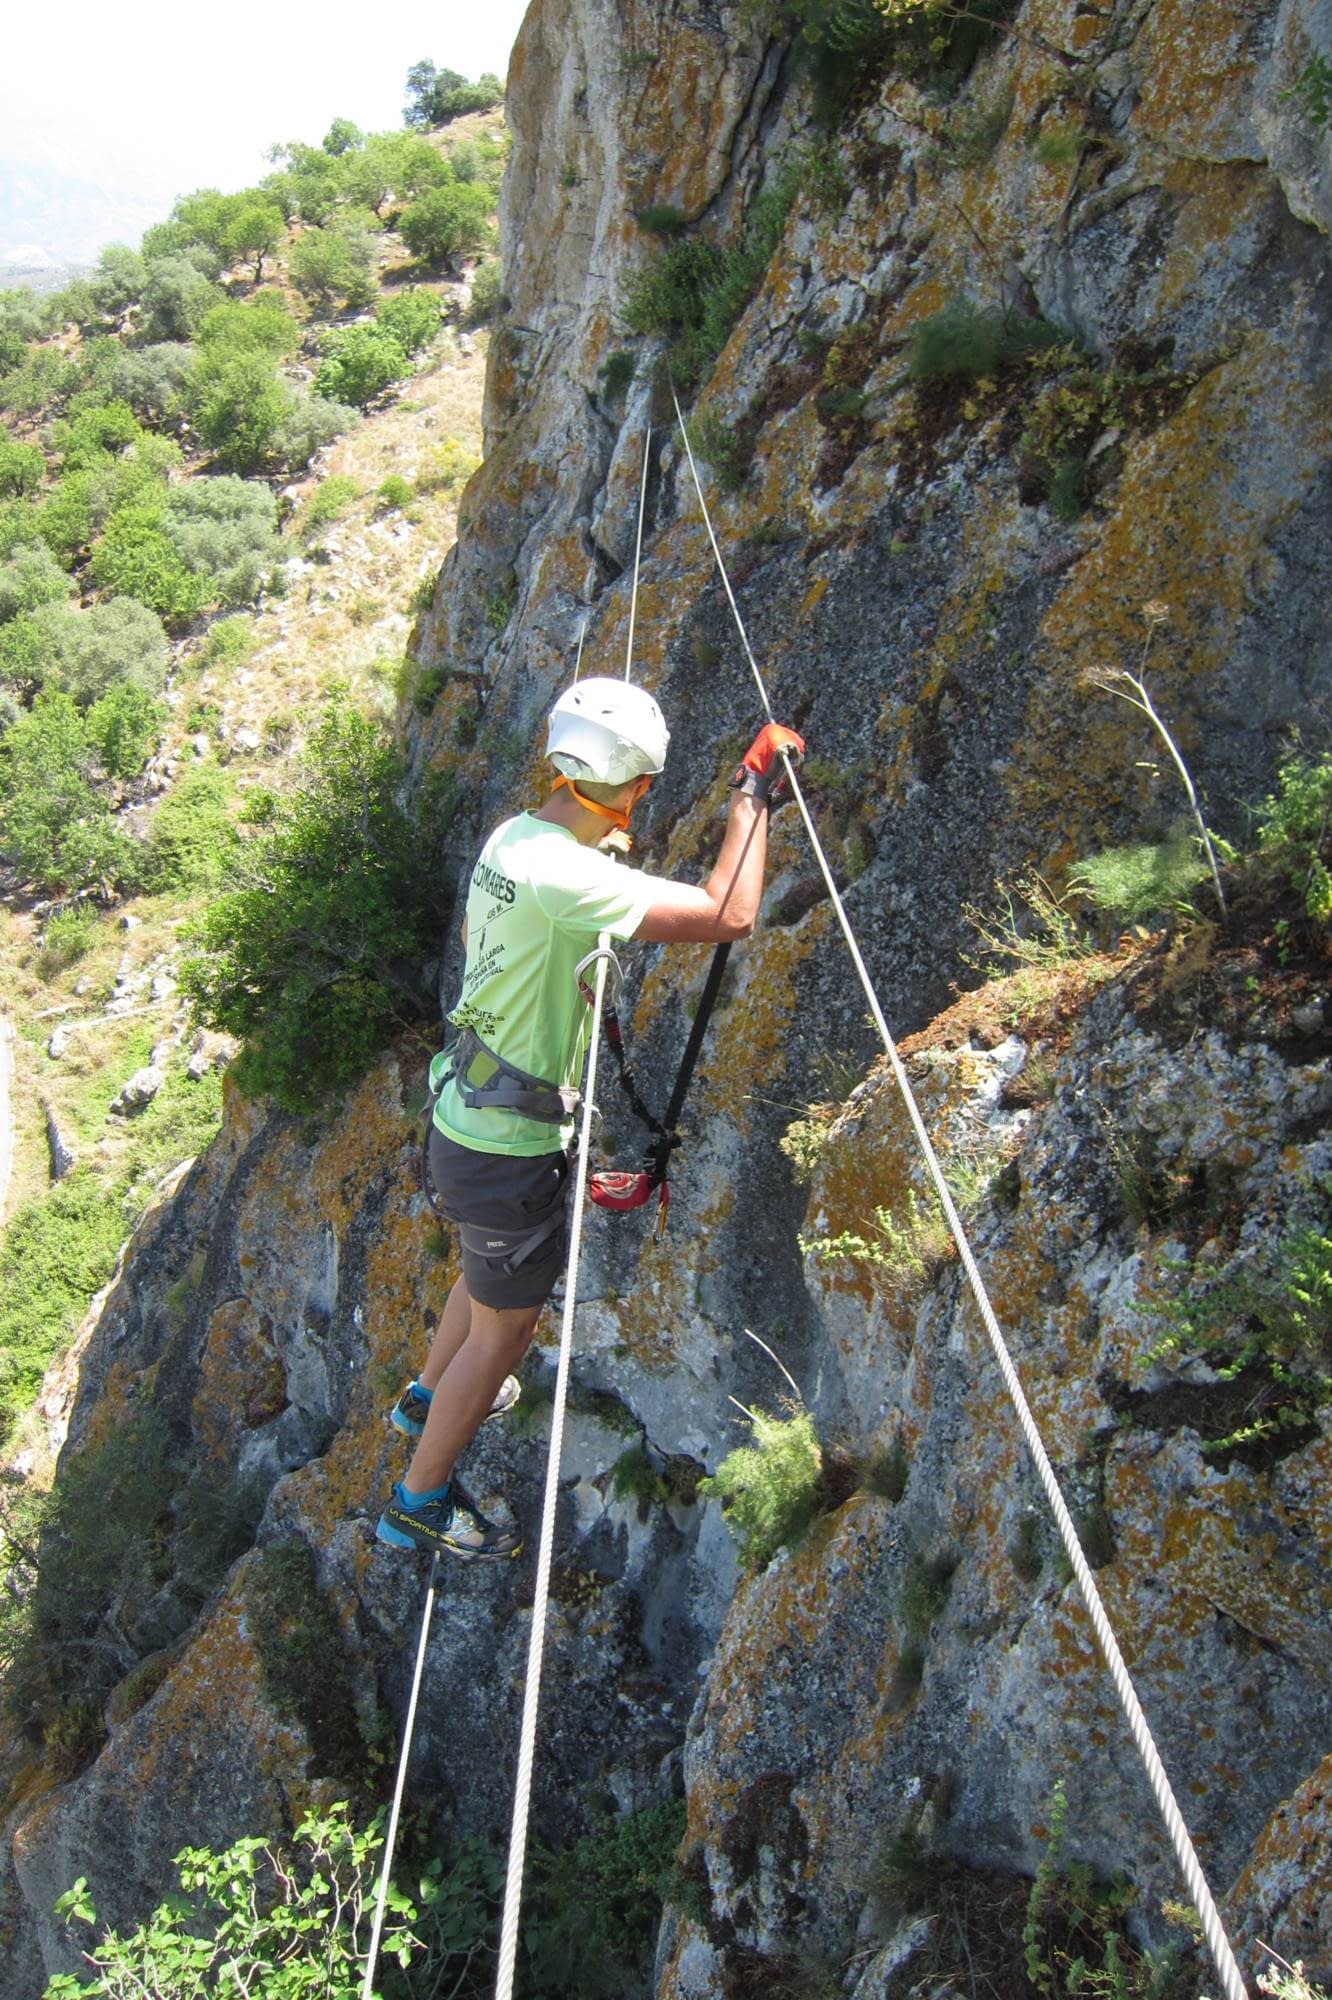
pixel 230 462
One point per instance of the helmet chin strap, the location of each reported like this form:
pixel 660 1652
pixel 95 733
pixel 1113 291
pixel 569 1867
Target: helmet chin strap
pixel 614 814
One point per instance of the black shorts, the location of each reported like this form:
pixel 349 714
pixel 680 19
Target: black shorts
pixel 510 1213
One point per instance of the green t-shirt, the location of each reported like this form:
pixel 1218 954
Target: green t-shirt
pixel 536 903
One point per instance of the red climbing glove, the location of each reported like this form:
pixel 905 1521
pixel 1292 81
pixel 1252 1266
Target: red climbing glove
pixel 761 769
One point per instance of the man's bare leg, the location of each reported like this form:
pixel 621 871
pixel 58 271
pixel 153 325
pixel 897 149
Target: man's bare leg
pixel 494 1345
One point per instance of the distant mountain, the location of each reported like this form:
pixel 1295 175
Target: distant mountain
pixel 53 220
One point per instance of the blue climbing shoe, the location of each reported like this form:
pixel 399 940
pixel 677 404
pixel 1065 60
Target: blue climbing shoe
pixel 453 1524
pixel 409 1413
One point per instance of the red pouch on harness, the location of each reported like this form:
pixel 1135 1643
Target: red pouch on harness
pixel 620 1190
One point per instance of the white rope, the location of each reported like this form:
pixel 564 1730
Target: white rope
pixel 391 1838
pixel 1185 1853
pixel 513 1887
pixel 638 553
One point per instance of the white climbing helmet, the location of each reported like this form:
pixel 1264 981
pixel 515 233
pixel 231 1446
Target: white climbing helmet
pixel 606 732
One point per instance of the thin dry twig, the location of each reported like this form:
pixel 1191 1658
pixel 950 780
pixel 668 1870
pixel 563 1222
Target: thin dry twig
pixel 1132 688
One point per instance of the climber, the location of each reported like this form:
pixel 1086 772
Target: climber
pixel 500 1132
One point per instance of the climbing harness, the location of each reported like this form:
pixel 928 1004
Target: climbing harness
pixel 1219 1944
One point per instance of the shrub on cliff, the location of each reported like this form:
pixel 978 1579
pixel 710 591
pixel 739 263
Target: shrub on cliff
pixel 848 42
pixel 769 1489
pixel 316 956
pixel 290 1919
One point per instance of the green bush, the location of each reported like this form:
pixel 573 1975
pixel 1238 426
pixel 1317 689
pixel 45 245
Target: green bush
pixel 1269 1322
pixel 597 1905
pixel 328 503
pixel 316 957
pixel 305 424
pixel 334 263
pixel 359 362
pixel 54 823
pixel 32 576
pixel 224 529
pixel 69 933
pixel 238 402
pixel 96 434
pixel 412 317
pixel 248 326
pixel 117 642
pixel 136 557
pixel 768 1489
pixel 395 492
pixel 22 468
pixel 1295 830
pixel 448 223
pixel 229 642
pixel 290 1919
pixel 455 100
pixel 1150 879
pixel 968 341
pixel 152 380
pixel 177 296
pixel 41 381
pixel 124 727
pixel 57 1251
pixel 695 292
pixel 89 652
pixel 486 300
pixel 191 840
pixel 847 43
pixel 25 317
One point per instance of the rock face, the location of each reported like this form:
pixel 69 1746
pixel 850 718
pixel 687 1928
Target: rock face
pixel 918 1666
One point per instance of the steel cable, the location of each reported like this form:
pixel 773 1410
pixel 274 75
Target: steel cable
pixel 1213 1928
pixel 513 1887
pixel 391 1837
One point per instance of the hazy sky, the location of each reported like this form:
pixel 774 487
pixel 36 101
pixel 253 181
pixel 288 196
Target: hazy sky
pixel 113 110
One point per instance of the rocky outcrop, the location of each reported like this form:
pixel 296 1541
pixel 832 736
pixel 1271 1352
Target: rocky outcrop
pixel 1137 175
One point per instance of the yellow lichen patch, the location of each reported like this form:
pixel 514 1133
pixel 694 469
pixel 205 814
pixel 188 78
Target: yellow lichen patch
pixel 1281 1897
pixel 213 1698
pixel 368 1132
pixel 123 1390
pixel 1221 1556
pixel 1217 204
pixel 1195 68
pixel 813 595
pixel 748 1035
pixel 242 1383
pixel 649 1320
pixel 1185 533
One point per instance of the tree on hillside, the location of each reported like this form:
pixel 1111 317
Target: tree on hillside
pixel 21 467
pixel 421 80
pixel 448 222
pixel 328 264
pixel 255 231
pixel 456 102
pixel 176 295
pixel 343 137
